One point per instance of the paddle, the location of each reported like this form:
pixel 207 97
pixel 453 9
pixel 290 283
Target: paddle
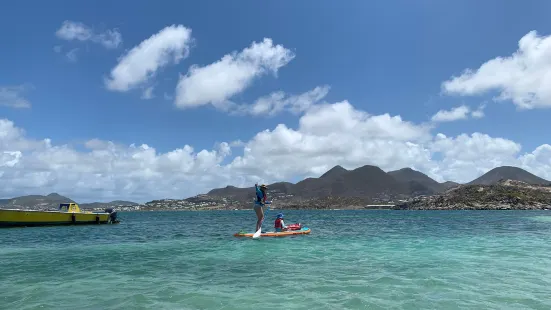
pixel 259 231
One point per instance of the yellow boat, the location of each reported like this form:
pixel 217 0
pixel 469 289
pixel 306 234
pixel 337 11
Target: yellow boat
pixel 68 214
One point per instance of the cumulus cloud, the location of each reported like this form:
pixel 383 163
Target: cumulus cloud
pixel 338 133
pixel 71 30
pixel 327 135
pixel 135 68
pixel 106 170
pixel 457 113
pixel 216 83
pixel 522 77
pixel 539 161
pixel 278 102
pixel 334 134
pixel 12 96
pixel 465 157
pixel 478 113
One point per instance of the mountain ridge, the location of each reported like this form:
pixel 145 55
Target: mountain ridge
pixel 372 183
pixel 494 175
pixel 367 184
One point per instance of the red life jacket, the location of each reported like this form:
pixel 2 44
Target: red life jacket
pixel 278 223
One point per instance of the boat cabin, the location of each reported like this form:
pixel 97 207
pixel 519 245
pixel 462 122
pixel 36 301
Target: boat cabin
pixel 69 207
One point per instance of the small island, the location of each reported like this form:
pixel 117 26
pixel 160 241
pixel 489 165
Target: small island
pixel 504 195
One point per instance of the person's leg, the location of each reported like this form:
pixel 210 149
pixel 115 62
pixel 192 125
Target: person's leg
pixel 259 216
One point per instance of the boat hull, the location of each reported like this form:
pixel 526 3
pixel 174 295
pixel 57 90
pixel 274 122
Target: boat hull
pixel 18 218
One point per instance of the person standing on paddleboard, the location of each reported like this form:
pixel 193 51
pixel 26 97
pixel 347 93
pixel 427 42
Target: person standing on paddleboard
pixel 260 201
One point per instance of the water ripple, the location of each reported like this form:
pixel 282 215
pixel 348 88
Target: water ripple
pixel 351 260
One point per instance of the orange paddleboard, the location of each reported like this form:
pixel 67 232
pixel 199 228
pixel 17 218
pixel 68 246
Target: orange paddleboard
pixel 302 231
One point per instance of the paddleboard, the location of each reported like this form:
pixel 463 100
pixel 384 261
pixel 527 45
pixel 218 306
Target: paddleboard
pixel 302 231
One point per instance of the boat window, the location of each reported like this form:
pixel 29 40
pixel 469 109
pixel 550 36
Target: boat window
pixel 64 207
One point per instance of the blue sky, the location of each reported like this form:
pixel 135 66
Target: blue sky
pixel 381 56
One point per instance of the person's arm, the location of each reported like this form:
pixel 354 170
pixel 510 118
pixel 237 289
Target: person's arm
pixel 258 193
pixel 283 224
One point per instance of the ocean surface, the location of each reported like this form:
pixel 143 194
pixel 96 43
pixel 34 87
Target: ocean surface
pixel 351 260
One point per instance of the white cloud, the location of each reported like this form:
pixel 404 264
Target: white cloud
pixel 327 135
pixel 72 55
pixel 9 159
pixel 107 170
pixel 522 77
pixel 466 157
pixel 237 143
pixel 332 134
pixel 216 83
pixel 539 161
pixel 276 102
pixel 457 113
pixel 141 63
pixel 479 113
pixel 12 96
pixel 148 93
pixel 339 134
pixel 71 30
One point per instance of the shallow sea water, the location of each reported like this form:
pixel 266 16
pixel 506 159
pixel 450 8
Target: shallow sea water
pixel 351 260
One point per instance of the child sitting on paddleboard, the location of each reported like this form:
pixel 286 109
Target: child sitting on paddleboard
pixel 279 225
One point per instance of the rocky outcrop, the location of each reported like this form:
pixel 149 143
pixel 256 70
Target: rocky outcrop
pixel 505 195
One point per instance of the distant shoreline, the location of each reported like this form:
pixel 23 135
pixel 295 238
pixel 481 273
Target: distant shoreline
pixel 343 209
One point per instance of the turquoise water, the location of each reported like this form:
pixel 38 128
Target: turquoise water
pixel 351 260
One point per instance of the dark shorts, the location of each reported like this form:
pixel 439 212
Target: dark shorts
pixel 258 204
